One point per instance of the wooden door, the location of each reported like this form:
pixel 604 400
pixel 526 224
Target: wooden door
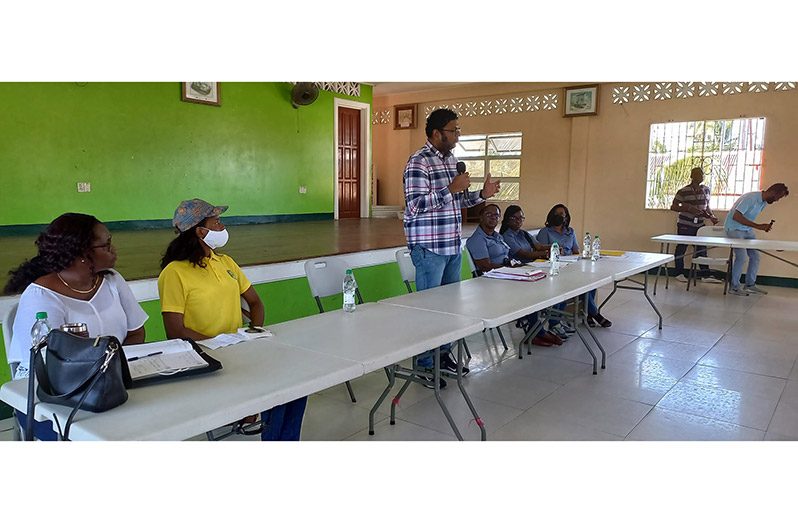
pixel 348 163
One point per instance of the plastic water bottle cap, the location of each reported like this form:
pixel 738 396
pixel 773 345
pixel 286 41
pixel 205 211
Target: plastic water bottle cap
pixel 41 315
pixel 349 271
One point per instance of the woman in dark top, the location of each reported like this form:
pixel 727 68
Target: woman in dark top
pixel 522 245
pixel 558 228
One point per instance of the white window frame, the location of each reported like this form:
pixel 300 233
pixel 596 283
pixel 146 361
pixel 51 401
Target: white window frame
pixel 477 182
pixel 729 172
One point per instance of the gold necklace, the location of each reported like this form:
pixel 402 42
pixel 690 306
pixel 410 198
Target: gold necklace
pixel 93 287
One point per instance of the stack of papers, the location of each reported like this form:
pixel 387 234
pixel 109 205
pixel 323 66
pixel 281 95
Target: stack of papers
pixel 163 357
pixel 243 334
pixel 516 273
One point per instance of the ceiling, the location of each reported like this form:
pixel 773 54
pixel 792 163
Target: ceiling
pixel 383 88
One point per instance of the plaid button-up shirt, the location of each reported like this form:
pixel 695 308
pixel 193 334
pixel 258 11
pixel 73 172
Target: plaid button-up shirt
pixel 432 216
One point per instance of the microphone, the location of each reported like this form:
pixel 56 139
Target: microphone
pixel 461 168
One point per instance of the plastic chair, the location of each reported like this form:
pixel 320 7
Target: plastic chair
pixel 406 267
pixel 714 231
pixel 325 277
pixel 408 271
pixel 476 273
pixel 8 325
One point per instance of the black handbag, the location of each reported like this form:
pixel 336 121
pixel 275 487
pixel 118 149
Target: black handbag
pixel 83 373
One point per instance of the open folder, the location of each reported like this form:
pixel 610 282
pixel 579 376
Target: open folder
pixel 166 359
pixel 516 273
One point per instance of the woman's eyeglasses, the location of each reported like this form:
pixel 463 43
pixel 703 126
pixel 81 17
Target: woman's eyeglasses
pixel 107 246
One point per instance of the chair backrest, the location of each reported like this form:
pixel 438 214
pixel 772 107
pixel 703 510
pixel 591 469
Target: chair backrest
pixel 406 267
pixel 471 265
pixel 8 328
pixel 325 276
pixel 711 230
pixel 533 233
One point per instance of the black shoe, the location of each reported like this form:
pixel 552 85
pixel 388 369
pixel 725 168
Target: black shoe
pixel 427 382
pixel 448 364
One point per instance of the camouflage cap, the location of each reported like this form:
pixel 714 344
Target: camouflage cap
pixel 191 212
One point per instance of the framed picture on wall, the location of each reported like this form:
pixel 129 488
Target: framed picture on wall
pixel 404 116
pixel 208 93
pixel 581 100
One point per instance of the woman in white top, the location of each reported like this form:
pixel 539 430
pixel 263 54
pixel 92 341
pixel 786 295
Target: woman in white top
pixel 73 281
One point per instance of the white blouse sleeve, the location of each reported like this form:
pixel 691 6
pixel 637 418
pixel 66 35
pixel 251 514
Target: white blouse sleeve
pixel 136 317
pixel 34 299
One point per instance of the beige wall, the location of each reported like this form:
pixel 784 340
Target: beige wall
pixel 597 164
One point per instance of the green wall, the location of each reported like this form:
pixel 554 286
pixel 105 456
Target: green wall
pixel 143 150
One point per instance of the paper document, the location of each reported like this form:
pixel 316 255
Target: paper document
pixel 223 340
pixel 163 357
pixel 516 273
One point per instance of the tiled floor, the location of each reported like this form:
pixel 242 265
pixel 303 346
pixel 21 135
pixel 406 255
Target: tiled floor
pixel 722 368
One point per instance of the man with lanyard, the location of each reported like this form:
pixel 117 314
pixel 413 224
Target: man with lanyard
pixel 692 204
pixel 740 224
pixel 435 193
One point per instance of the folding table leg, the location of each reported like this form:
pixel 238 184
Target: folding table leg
pixel 528 337
pixel 391 372
pixel 437 377
pixel 650 301
pixel 577 313
pixel 477 419
pixel 499 330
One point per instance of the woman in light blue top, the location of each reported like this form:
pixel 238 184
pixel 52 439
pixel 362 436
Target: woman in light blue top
pixel 558 228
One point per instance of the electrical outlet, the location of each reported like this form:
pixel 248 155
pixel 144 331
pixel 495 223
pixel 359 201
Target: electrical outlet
pixel 84 187
pixel 303 189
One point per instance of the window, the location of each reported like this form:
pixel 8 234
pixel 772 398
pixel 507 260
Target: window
pixel 497 154
pixel 729 151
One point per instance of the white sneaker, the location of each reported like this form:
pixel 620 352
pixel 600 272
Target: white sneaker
pixel 681 278
pixel 753 289
pixel 711 279
pixel 737 291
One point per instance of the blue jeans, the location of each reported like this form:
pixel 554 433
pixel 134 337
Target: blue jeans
pixel 283 422
pixel 434 270
pixel 739 260
pixel 592 310
pixel 42 430
pixel 700 251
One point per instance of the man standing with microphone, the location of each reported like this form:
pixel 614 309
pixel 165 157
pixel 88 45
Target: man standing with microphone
pixel 436 189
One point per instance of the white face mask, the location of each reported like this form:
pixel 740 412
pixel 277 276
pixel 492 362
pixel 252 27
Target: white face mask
pixel 216 239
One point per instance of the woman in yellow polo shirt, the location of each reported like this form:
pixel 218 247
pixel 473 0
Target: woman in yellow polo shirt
pixel 201 293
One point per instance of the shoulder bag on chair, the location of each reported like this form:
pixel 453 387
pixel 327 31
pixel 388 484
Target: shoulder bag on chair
pixel 83 373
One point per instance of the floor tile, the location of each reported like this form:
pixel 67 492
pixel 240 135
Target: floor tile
pixel 513 390
pixel 595 410
pixel 785 420
pixel 330 420
pixel 538 426
pixel 665 349
pixel 762 363
pixel 402 431
pixel 540 366
pixel 687 335
pixel 746 409
pixel 667 425
pixel 428 414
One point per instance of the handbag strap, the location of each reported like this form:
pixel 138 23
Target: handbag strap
pixel 34 352
pixel 37 362
pixel 65 434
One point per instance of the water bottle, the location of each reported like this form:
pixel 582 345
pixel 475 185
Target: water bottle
pixel 595 251
pixel 350 285
pixel 40 328
pixel 38 332
pixel 587 244
pixel 554 259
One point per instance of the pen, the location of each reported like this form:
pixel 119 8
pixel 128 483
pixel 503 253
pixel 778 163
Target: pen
pixel 134 358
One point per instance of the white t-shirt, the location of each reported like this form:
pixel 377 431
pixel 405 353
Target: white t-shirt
pixel 112 311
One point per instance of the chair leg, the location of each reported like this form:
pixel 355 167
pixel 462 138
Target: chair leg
pixel 689 277
pixel 351 394
pixel 468 352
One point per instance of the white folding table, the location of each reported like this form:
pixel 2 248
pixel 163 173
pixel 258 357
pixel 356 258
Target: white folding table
pixel 762 246
pixel 379 336
pixel 256 376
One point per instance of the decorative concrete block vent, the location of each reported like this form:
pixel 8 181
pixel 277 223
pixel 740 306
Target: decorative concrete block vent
pixel 387 211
